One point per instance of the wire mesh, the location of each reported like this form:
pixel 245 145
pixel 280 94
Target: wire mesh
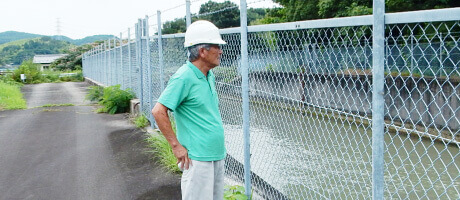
pixel 310 104
pixel 422 110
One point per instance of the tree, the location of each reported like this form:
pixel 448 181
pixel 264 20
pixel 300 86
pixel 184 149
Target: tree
pixel 175 26
pixel 223 19
pixel 73 60
pixel 255 14
pixel 272 15
pixel 296 10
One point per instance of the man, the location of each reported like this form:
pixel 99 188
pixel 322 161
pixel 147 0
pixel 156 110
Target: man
pixel 191 95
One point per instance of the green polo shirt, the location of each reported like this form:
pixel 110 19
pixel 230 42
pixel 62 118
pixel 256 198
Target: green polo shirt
pixel 193 99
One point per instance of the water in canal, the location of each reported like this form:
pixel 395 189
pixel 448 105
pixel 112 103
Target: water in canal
pixel 308 156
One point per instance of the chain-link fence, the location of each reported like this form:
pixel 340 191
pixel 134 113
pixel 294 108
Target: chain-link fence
pixel 311 97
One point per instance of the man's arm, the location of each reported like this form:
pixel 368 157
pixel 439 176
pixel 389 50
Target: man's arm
pixel 160 113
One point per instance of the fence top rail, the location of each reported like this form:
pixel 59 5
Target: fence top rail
pixel 174 35
pixel 446 14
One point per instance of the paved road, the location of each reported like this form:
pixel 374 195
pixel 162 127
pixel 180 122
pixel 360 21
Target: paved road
pixel 74 153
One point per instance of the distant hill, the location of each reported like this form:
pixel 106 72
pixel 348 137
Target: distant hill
pixel 10 36
pixel 91 39
pixel 17 42
pixel 19 50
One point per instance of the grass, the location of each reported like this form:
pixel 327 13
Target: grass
pixel 49 76
pixel 141 121
pixel 56 105
pixel 11 97
pixel 162 150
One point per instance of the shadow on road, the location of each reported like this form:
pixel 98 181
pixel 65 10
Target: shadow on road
pixel 138 168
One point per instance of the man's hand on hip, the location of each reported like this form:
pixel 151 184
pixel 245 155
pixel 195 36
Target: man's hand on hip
pixel 181 154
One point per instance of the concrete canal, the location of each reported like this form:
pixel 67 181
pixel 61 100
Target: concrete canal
pixel 304 155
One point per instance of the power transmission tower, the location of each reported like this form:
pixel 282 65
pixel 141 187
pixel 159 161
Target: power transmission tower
pixel 58 29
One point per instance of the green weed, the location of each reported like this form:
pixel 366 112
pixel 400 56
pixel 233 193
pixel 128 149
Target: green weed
pixel 141 121
pixel 234 192
pixel 115 100
pixel 95 93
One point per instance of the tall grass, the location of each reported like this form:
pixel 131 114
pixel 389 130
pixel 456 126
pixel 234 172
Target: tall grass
pixel 163 151
pixel 11 97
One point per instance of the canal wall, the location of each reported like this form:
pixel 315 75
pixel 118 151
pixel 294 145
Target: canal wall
pixel 431 104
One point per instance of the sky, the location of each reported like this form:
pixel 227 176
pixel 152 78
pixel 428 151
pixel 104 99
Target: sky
pixel 80 18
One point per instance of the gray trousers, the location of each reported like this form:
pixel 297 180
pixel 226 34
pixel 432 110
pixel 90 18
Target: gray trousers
pixel 204 180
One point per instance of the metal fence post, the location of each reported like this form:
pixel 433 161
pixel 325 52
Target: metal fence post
pixel 149 69
pixel 110 63
pixel 114 61
pixel 101 63
pixel 160 51
pixel 106 59
pixel 378 103
pixel 121 62
pixel 98 64
pixel 129 59
pixel 188 18
pixel 139 60
pixel 245 95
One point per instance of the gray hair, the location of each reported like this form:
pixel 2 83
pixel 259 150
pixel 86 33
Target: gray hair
pixel 194 51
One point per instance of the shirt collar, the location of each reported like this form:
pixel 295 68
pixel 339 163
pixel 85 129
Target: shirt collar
pixel 197 71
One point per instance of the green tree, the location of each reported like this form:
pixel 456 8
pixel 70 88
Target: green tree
pixel 223 19
pixel 272 15
pixel 296 10
pixel 175 26
pixel 73 60
pixel 255 14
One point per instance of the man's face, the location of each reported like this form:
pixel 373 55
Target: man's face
pixel 212 56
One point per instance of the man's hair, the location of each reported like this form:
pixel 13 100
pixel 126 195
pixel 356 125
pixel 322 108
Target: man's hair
pixel 194 51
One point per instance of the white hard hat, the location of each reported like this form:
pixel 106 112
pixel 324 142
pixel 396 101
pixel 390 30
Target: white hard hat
pixel 202 32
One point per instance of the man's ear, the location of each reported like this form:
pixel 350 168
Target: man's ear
pixel 202 52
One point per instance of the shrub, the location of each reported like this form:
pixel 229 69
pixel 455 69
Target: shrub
pixel 95 93
pixel 77 77
pixel 115 100
pixel 9 80
pixel 141 121
pixel 50 78
pixel 30 70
